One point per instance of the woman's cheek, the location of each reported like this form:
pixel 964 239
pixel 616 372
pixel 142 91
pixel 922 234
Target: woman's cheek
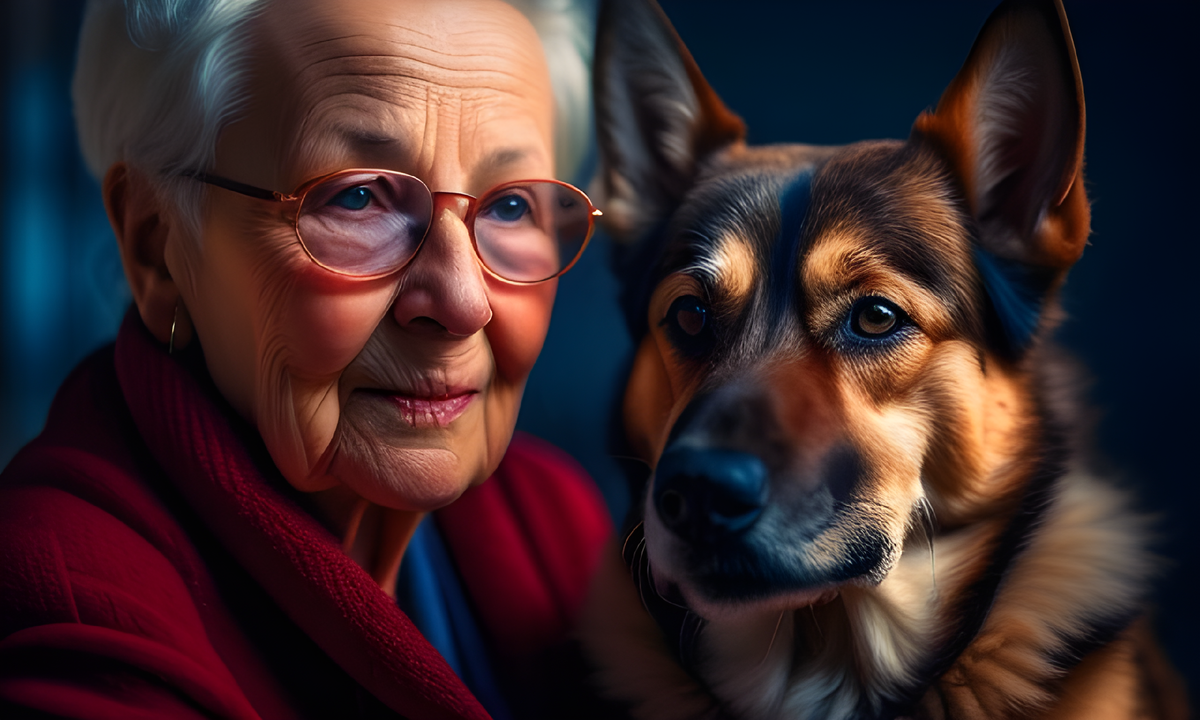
pixel 328 320
pixel 224 299
pixel 323 326
pixel 520 319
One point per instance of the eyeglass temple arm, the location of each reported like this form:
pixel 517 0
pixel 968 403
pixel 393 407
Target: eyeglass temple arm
pixel 234 185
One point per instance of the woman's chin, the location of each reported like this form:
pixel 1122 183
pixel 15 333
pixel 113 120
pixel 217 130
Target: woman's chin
pixel 399 452
pixel 408 478
pixel 398 465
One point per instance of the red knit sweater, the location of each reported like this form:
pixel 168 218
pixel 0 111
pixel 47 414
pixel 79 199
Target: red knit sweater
pixel 154 564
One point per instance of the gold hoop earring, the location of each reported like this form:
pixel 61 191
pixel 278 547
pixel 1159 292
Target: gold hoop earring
pixel 174 321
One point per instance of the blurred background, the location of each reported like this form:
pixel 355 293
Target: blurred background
pixel 821 73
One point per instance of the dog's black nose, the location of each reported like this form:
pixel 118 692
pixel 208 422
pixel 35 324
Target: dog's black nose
pixel 706 494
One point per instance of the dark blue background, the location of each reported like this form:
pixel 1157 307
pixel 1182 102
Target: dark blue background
pixel 805 72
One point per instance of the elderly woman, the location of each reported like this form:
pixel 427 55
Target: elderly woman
pixel 338 224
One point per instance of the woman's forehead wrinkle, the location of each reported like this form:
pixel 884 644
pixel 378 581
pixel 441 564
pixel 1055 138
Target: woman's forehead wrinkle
pixel 352 91
pixel 487 73
pixel 392 118
pixel 343 129
pixel 476 52
pixel 407 80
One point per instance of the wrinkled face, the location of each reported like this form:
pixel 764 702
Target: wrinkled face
pixel 814 372
pixel 404 388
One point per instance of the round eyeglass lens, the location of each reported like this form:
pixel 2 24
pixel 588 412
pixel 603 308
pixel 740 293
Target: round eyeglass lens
pixel 365 223
pixel 532 231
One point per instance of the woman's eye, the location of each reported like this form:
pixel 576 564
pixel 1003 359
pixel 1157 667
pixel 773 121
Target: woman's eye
pixel 689 326
pixel 509 208
pixel 875 318
pixel 353 198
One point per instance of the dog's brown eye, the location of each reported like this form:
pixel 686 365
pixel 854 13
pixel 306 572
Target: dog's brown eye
pixel 691 318
pixel 688 325
pixel 689 314
pixel 875 318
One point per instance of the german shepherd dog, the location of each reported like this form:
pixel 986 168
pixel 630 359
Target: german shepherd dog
pixel 868 496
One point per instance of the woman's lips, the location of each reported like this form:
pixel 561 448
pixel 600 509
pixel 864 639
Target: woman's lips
pixel 435 411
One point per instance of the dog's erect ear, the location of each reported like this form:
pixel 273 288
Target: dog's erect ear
pixel 1011 124
pixel 656 117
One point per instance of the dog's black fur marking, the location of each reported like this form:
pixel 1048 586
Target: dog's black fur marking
pixel 794 203
pixel 1016 293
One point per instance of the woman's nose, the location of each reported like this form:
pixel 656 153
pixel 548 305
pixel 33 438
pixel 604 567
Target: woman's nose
pixel 444 287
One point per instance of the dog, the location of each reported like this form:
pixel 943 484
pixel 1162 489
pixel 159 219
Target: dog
pixel 869 496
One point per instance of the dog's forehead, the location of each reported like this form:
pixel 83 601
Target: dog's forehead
pixel 797 220
pixel 895 204
pixel 740 197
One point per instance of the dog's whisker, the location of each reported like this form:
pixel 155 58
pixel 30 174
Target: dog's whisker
pixel 695 624
pixel 639 567
pixel 767 654
pixel 933 569
pixel 642 558
pixel 631 458
pixel 654 585
pixel 930 529
pixel 669 601
pixel 643 567
pixel 816 623
pixel 628 537
pixel 641 591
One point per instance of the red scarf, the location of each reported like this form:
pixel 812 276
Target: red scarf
pixel 525 543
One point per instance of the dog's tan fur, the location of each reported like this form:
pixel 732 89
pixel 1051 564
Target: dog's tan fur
pixel 966 461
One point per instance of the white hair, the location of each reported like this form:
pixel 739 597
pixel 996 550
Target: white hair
pixel 157 80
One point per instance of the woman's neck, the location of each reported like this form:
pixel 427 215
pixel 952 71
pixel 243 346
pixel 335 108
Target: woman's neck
pixel 373 536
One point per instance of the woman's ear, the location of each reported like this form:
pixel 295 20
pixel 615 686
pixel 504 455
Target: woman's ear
pixel 143 229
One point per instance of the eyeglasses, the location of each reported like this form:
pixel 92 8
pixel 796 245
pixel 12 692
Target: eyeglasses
pixel 371 223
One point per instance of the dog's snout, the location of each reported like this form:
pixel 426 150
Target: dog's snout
pixel 704 495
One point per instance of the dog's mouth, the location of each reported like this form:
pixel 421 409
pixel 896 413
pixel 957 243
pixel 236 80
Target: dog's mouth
pixel 682 613
pixel 779 564
pixel 669 598
pixel 693 598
